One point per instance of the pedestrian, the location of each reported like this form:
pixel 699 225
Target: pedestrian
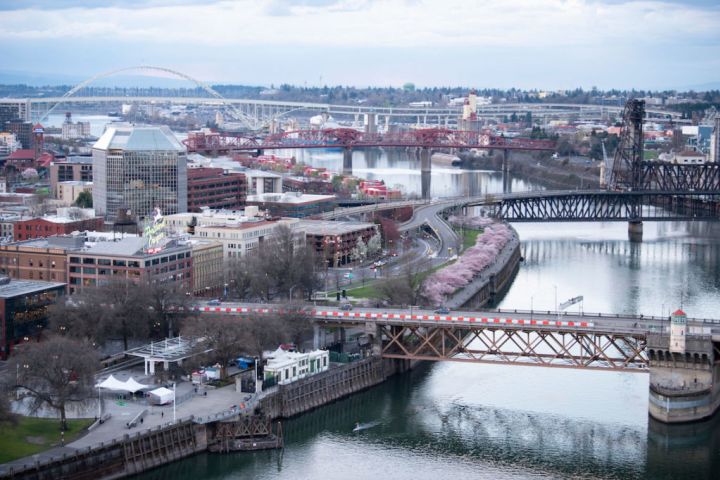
pixel 141 419
pixel 162 414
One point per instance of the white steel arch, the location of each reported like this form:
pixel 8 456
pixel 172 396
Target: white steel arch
pixel 251 123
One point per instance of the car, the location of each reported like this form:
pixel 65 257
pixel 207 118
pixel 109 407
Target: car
pixel 442 310
pixel 214 302
pixel 346 306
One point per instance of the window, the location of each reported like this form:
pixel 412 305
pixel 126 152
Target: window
pixel 104 262
pixel 119 263
pixel 90 271
pixel 294 372
pixel 88 261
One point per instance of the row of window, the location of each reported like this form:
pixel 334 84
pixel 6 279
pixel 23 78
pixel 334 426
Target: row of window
pixel 128 263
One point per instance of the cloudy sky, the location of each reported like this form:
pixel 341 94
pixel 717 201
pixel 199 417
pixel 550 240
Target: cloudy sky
pixel 484 43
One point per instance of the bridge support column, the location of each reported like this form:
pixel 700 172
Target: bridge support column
pixel 507 187
pixel 347 161
pixel 635 230
pixel 684 382
pixel 316 337
pixel 425 172
pixel 370 123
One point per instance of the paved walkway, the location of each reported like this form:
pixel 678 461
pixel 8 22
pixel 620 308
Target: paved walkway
pixel 216 402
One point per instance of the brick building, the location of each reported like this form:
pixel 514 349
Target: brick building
pixel 215 188
pixel 129 258
pixel 39 258
pixel 54 225
pixel 335 241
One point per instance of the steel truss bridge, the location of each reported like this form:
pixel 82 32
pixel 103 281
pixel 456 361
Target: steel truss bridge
pixel 603 206
pixel 529 338
pixel 351 138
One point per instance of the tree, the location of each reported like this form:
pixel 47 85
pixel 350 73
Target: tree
pixel 222 336
pixel 295 322
pixel 77 317
pixel 374 245
pixel 405 288
pixel 84 200
pixel 56 373
pixel 359 252
pixel 124 312
pixel 239 276
pixel 6 414
pixel 262 333
pixel 167 305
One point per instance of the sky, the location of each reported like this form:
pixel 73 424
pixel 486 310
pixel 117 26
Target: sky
pixel 542 44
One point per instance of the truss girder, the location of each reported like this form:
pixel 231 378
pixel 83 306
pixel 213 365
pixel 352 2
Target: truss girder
pixel 563 349
pixel 607 206
pixel 668 177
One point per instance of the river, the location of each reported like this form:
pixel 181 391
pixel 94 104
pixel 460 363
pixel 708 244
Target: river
pixel 458 420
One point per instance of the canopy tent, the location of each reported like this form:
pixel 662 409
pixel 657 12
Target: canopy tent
pixel 133 385
pixel 111 383
pixel 161 396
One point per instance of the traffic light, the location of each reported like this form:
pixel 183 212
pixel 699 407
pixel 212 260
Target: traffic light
pixel 337 294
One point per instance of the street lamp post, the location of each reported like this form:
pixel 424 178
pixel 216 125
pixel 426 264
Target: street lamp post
pixel 531 307
pixel 174 402
pixel 256 376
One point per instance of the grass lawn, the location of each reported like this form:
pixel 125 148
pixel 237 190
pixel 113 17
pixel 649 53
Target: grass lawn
pixel 32 435
pixel 370 289
pixel 468 236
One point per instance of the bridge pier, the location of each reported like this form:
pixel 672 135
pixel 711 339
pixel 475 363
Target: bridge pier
pixel 507 187
pixel 370 123
pixel 347 161
pixel 635 230
pixel 425 172
pixel 684 374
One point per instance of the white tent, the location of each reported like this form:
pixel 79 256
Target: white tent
pixel 132 385
pixel 112 383
pixel 161 396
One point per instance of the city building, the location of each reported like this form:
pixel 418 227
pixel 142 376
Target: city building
pixel 715 142
pixel 139 169
pixel 215 188
pixel 24 310
pixel 50 225
pixel 283 367
pixel 292 204
pixel 39 258
pixel 8 144
pixel 689 157
pixel 335 241
pixel 67 192
pixel 208 273
pixel 243 238
pixel 22 130
pixel 72 130
pixel 135 258
pixel 70 169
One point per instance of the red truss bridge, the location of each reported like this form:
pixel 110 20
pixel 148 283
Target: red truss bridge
pixel 348 138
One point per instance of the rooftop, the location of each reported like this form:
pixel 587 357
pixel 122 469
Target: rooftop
pixel 16 288
pixel 137 138
pixel 126 247
pixel 327 227
pixel 296 198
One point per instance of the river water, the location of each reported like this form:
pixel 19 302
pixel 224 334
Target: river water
pixel 459 420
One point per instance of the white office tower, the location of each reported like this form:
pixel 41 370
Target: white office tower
pixel 139 168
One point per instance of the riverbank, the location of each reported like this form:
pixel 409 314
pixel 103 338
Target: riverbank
pixel 548 172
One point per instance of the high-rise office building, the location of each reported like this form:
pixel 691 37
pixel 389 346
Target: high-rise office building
pixel 139 168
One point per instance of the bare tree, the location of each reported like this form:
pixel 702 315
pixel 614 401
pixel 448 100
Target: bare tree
pixel 223 335
pixel 167 305
pixel 239 275
pixel 6 415
pixel 78 317
pixel 125 312
pixel 262 333
pixel 404 288
pixel 295 322
pixel 56 373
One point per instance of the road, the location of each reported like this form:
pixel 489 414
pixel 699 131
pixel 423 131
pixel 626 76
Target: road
pixel 508 319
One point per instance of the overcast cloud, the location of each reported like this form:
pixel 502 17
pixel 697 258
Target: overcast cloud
pixel 526 43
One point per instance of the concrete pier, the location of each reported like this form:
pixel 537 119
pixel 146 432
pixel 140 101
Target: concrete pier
pixel 347 161
pixel 635 230
pixel 685 384
pixel 425 171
